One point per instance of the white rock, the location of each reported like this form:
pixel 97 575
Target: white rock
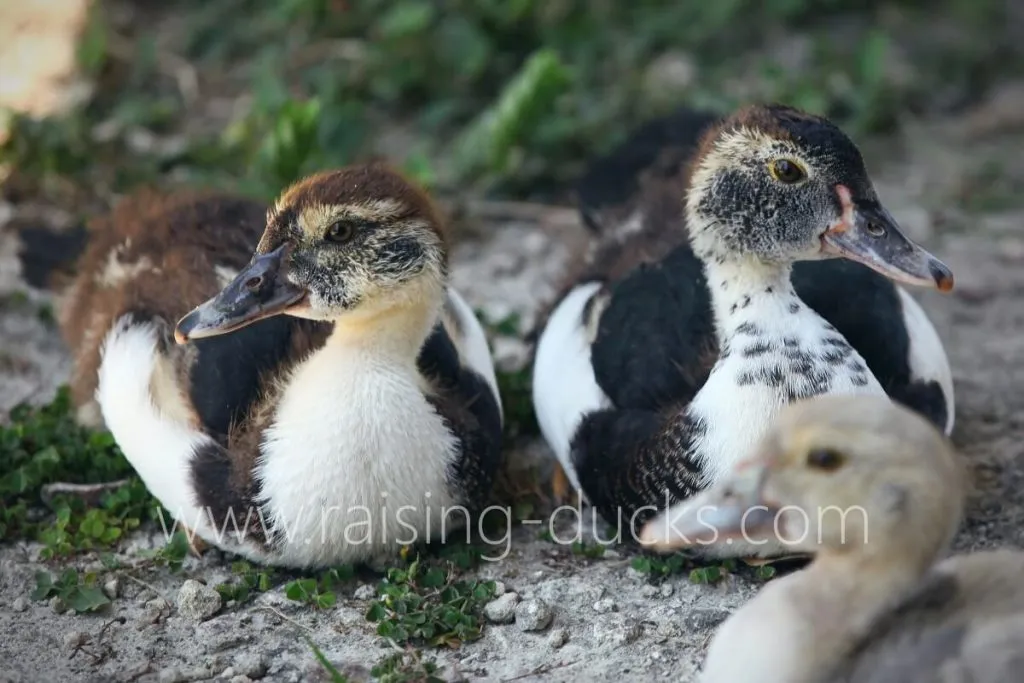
pixel 197 601
pixel 533 615
pixel 502 610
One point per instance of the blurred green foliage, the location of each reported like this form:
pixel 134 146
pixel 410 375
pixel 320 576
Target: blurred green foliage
pixel 505 96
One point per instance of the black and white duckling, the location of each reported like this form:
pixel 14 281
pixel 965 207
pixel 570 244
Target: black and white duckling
pixel 683 332
pixel 876 493
pixel 332 398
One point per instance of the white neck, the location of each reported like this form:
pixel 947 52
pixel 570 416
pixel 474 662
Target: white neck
pixel 774 349
pixel 745 284
pixel 802 626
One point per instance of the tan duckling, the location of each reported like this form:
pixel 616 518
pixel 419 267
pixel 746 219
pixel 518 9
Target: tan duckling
pixel 875 492
pixel 329 397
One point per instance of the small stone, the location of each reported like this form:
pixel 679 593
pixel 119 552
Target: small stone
pixel 621 631
pixel 20 604
pixel 240 679
pixel 705 619
pixel 75 639
pixel 649 591
pixel 145 596
pixel 112 588
pixel 499 588
pixel 228 673
pixel 253 665
pixel 503 609
pixel 365 592
pixel 558 638
pixel 667 589
pixel 533 615
pixel 605 606
pixel 158 604
pixel 58 605
pixel 170 675
pixel 150 616
pixel 610 554
pixel 198 602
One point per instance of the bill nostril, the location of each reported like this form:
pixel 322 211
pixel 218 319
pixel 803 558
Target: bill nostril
pixel 875 229
pixel 253 284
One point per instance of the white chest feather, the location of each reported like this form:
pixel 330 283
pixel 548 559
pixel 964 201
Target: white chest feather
pixel 775 350
pixel 356 458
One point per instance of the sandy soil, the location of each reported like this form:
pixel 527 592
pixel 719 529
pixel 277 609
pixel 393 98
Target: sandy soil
pixel 608 623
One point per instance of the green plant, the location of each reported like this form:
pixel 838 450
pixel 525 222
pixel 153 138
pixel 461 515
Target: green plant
pixel 79 593
pixel 421 604
pixel 407 667
pixel 332 671
pixel 44 445
pixel 246 581
pixel 319 592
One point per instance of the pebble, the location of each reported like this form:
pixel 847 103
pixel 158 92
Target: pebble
pixel 20 604
pixel 170 675
pixel 503 609
pixel 145 596
pixel 533 615
pixel 649 591
pixel 365 592
pixel 197 601
pixel 558 638
pixel 58 605
pixel 620 632
pixel 74 639
pixel 150 616
pixel 499 588
pixel 251 664
pixel 605 606
pixel 112 588
pixel 667 589
pixel 240 679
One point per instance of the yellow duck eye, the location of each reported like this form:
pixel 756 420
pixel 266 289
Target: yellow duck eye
pixel 787 171
pixel 825 459
pixel 342 231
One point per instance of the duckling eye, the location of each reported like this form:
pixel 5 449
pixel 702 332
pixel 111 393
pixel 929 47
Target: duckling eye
pixel 787 171
pixel 339 232
pixel 825 459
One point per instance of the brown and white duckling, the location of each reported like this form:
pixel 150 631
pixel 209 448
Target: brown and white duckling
pixel 875 492
pixel 755 278
pixel 335 398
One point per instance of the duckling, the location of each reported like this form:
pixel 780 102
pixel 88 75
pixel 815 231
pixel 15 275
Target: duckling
pixel 329 399
pixel 875 492
pixel 682 333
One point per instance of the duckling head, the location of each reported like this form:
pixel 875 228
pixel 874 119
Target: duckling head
pixel 837 474
pixel 346 243
pixel 774 184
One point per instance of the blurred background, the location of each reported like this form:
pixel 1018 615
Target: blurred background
pixel 503 98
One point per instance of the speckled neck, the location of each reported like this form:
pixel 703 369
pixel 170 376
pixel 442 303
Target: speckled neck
pixel 742 287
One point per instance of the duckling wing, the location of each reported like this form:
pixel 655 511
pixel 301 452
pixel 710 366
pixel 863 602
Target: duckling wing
pixel 964 623
pixel 456 361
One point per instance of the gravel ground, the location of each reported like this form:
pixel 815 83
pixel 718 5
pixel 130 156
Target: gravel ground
pixel 606 622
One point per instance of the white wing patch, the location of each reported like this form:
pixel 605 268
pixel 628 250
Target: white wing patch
pixel 159 447
pixel 564 386
pixel 927 358
pixel 472 343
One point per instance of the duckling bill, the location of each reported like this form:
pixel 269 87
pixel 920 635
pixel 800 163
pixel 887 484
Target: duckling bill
pixel 260 291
